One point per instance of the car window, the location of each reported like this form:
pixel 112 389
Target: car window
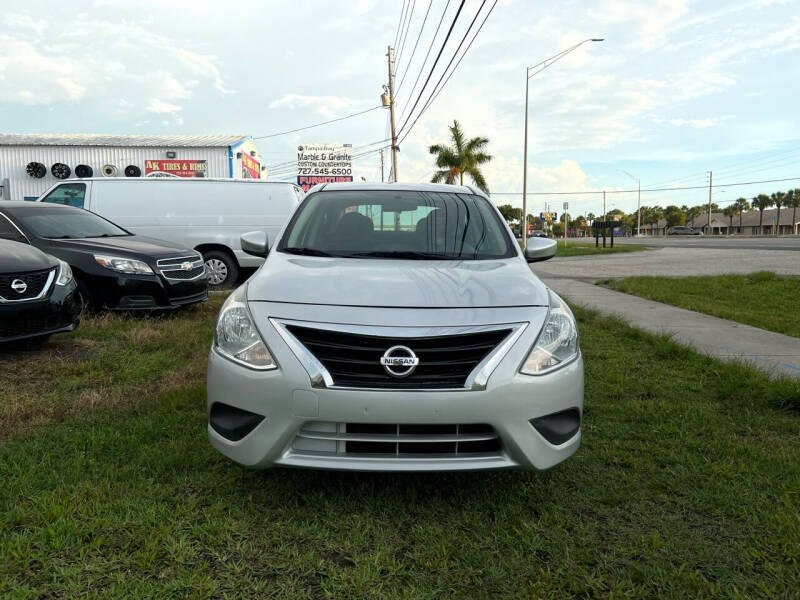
pixel 55 223
pixel 397 224
pixel 70 194
pixel 9 232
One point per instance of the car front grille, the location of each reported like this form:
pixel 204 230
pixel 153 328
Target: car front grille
pixel 182 268
pixel 325 438
pixel 34 280
pixel 354 359
pixel 31 324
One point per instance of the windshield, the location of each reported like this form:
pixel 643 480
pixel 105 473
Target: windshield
pixel 66 224
pixel 397 224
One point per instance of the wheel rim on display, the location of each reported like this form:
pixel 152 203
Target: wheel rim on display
pixel 217 271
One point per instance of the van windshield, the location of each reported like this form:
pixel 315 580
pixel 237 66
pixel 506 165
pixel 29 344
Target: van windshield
pixel 397 224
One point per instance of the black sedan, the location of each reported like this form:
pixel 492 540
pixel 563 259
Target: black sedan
pixel 682 230
pixel 114 269
pixel 37 292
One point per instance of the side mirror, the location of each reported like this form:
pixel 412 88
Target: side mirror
pixel 539 249
pixel 255 243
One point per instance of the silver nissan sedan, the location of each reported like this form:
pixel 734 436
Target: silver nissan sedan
pixel 395 327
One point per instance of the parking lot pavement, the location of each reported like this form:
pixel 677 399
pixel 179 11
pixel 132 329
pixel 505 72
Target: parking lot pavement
pixel 671 262
pixel 727 340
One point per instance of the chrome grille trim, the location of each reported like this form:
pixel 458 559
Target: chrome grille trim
pixel 177 260
pixel 321 377
pixel 195 260
pixel 41 294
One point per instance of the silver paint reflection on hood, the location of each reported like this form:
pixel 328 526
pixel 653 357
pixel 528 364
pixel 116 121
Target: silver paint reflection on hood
pixel 396 283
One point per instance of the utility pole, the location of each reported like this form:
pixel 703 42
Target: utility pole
pixel 382 165
pixel 395 149
pixel 710 179
pixel 604 205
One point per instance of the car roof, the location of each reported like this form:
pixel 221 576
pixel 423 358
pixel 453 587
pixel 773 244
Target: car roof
pixel 35 205
pixel 182 179
pixel 395 187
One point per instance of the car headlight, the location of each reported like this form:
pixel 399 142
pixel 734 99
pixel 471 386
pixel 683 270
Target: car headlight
pixel 557 344
pixel 64 273
pixel 124 265
pixel 236 336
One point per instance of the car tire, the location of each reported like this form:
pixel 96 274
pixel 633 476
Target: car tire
pixel 221 268
pixel 84 298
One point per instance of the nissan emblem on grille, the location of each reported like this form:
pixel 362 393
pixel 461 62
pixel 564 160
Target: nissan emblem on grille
pixel 19 286
pixel 399 361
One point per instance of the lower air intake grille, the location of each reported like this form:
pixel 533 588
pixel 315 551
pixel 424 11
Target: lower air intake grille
pixel 397 440
pixel 354 360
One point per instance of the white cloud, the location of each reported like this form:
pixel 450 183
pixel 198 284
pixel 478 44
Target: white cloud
pixel 161 107
pixel 327 106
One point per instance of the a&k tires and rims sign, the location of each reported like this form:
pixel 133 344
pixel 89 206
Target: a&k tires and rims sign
pixel 251 168
pixel 323 163
pixel 175 168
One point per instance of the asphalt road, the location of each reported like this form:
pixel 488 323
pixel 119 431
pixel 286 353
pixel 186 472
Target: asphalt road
pixel 791 244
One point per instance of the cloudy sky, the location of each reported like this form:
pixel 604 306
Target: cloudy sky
pixel 676 89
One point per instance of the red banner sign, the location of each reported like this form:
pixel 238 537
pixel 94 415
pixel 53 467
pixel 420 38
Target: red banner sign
pixel 251 168
pixel 175 168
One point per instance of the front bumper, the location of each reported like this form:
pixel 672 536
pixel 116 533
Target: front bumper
pixel 58 312
pixel 288 403
pixel 145 292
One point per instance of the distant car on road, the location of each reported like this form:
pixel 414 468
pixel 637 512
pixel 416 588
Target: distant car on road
pixel 682 230
pixel 114 269
pixel 37 291
pixel 538 233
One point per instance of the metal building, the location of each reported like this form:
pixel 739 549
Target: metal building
pixel 31 163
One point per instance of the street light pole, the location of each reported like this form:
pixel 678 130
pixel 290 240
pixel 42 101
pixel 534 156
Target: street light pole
pixel 539 68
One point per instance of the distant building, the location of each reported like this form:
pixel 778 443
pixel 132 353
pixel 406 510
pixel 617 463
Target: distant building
pixel 722 225
pixel 31 163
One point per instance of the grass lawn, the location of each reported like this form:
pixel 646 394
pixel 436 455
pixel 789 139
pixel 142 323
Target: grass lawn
pixel 687 485
pixel 763 299
pixel 583 249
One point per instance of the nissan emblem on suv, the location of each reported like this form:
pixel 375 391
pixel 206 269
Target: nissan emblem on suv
pixel 19 286
pixel 402 357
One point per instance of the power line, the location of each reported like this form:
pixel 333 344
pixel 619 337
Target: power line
pixel 399 24
pixel 436 92
pixel 696 187
pixel 433 68
pixel 271 135
pixel 414 51
pixel 404 38
pixel 427 54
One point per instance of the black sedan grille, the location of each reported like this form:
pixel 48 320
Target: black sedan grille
pixel 34 280
pixel 353 360
pixel 182 275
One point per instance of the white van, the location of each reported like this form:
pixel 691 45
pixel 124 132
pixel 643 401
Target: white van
pixel 208 215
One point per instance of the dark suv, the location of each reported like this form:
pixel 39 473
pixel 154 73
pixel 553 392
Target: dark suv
pixel 114 269
pixel 37 292
pixel 682 230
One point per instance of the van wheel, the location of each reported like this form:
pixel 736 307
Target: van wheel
pixel 221 269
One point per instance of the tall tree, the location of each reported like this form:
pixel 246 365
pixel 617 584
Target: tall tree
pixel 463 156
pixel 730 212
pixel 741 205
pixel 674 216
pixel 793 201
pixel 761 202
pixel 778 198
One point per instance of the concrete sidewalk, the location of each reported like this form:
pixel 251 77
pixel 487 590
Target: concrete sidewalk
pixel 727 340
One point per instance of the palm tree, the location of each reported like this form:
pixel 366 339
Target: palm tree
pixel 793 201
pixel 730 212
pixel 761 202
pixel 778 198
pixel 464 156
pixel 741 205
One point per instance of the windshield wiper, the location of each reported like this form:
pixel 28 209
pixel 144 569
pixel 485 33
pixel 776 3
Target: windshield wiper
pixel 107 235
pixel 409 254
pixel 61 237
pixel 304 251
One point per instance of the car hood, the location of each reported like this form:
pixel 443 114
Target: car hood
pixel 16 257
pixel 135 246
pixel 396 283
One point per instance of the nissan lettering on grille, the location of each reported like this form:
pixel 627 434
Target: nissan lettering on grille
pixel 399 361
